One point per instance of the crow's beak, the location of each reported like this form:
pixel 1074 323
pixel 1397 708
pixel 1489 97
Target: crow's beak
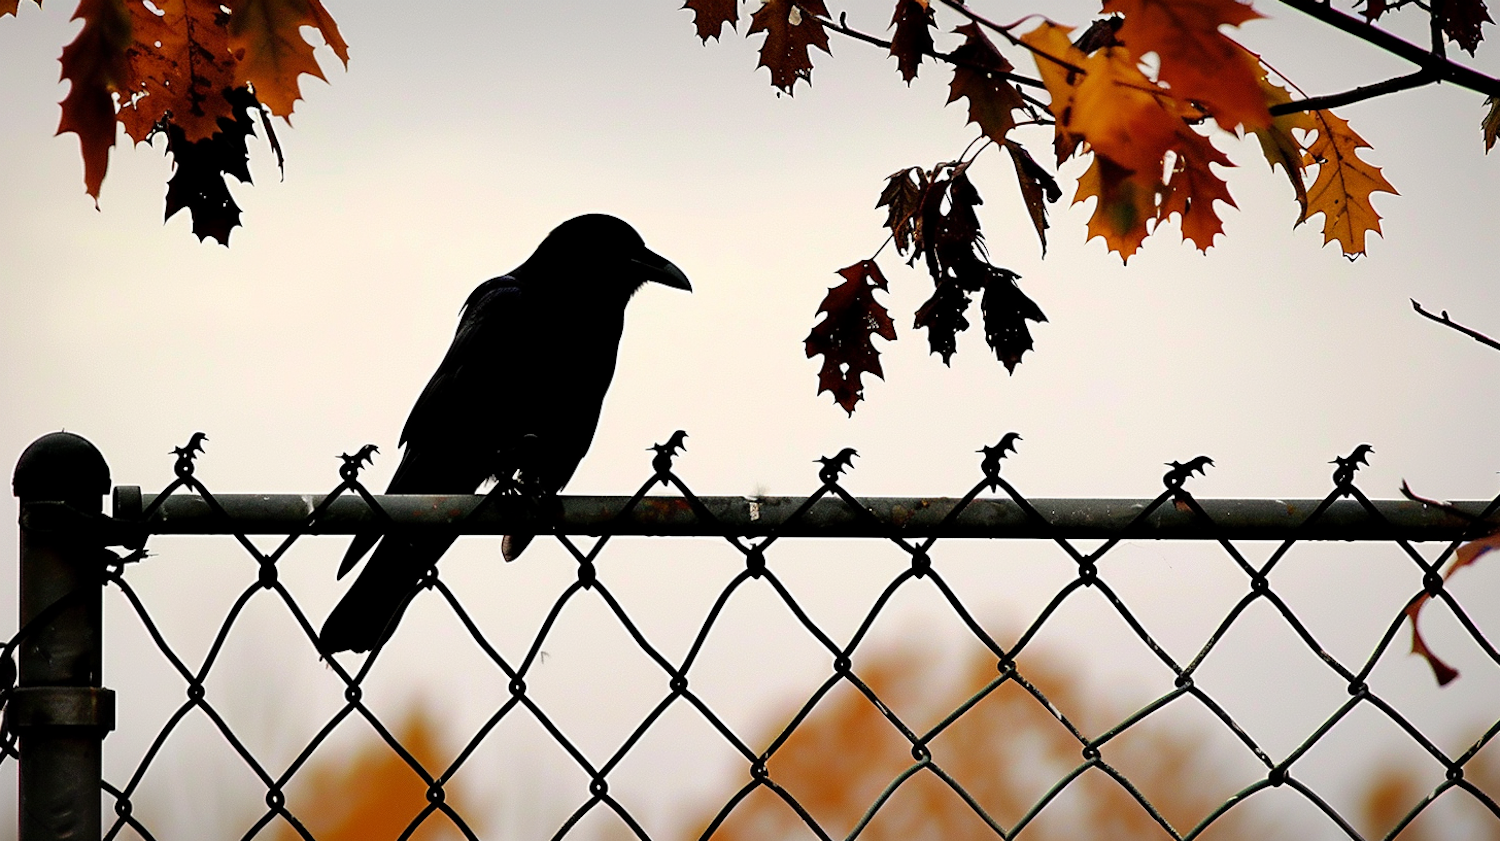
pixel 657 268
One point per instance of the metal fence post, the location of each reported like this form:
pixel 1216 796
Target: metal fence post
pixel 59 710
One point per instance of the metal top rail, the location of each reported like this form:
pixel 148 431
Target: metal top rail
pixel 828 516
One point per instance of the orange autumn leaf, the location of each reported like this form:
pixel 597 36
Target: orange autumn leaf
pixel 10 7
pixel 1342 189
pixel 180 66
pixel 1118 111
pixel 94 64
pixel 1190 194
pixel 1131 125
pixel 266 38
pixel 1197 62
pixel 791 31
pixel 1125 205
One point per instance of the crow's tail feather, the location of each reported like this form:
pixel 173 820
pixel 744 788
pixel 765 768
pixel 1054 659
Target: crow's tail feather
pixel 369 612
pixel 356 551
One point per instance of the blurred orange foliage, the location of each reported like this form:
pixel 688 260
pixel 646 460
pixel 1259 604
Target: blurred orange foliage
pixel 1006 752
pixel 373 794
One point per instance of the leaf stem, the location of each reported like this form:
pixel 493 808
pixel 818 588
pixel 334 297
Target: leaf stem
pixel 842 27
pixel 1004 32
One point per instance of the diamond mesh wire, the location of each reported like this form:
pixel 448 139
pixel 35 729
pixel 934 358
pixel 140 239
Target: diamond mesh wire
pixel 757 554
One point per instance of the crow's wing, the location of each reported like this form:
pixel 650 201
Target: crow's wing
pixel 458 422
pixel 461 407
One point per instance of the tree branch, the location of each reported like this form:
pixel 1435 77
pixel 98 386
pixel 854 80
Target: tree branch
pixel 1004 32
pixel 1447 322
pixel 1439 66
pixel 842 27
pixel 1334 100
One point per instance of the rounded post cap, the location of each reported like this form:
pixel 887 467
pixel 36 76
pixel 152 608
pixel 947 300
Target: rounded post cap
pixel 61 466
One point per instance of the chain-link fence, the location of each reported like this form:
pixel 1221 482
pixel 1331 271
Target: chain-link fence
pixel 57 713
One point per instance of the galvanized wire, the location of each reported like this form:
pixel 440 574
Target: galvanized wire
pixel 753 545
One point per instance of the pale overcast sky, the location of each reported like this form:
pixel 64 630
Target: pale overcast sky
pixel 463 132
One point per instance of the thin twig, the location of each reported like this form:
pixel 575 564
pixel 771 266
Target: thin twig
pixel 1447 322
pixel 842 27
pixel 1359 94
pixel 1004 32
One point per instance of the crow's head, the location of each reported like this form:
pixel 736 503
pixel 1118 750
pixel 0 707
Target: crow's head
pixel 597 248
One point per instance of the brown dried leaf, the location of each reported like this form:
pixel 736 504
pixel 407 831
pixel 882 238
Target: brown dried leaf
pixel 1104 32
pixel 845 336
pixel 711 15
pixel 903 197
pixel 1038 188
pixel 94 64
pixel 791 31
pixel 1491 123
pixel 1463 22
pixel 199 167
pixel 1006 310
pixel 977 75
pixel 913 39
pixel 942 316
pixel 1444 673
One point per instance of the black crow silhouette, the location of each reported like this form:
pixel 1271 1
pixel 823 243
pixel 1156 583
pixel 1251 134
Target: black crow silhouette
pixel 516 399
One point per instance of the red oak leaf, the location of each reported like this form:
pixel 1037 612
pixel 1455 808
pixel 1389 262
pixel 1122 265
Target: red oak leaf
pixel 978 74
pixel 913 39
pixel 845 335
pixel 711 15
pixel 792 29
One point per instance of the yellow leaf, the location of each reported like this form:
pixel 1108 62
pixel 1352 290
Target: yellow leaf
pixel 1342 189
pixel 1056 60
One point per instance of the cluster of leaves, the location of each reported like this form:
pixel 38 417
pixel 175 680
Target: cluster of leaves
pixel 192 71
pixel 1140 95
